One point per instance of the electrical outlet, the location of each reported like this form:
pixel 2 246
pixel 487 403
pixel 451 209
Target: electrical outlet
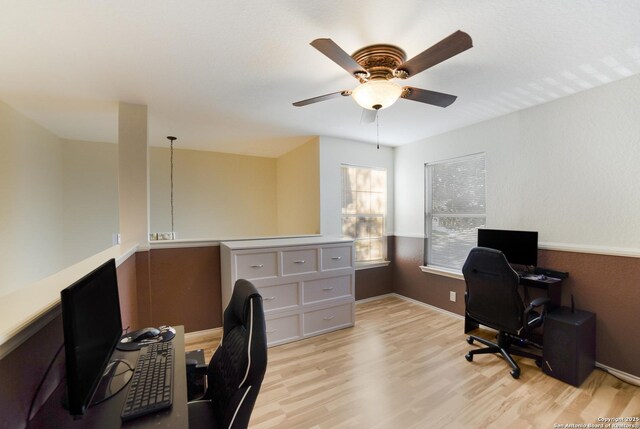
pixel 155 236
pixel 452 296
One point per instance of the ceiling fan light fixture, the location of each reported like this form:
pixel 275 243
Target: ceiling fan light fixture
pixel 377 94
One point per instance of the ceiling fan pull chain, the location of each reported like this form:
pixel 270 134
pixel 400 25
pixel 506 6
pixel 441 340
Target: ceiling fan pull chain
pixel 378 129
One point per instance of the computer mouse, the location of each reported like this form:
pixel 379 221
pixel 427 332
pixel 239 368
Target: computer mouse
pixel 145 333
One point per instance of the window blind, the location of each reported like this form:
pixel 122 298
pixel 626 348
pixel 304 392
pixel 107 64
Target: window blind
pixel 455 209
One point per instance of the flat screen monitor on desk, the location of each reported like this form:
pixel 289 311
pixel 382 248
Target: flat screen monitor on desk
pixel 92 327
pixel 519 247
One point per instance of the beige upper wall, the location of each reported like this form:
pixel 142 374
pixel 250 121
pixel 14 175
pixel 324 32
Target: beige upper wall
pixel 58 200
pixel 90 186
pixel 216 195
pixel 31 212
pixel 298 181
pixel 221 196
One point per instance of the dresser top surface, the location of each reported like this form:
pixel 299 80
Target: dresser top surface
pixel 284 242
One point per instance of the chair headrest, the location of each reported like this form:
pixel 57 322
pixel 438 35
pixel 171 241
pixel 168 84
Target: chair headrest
pixel 486 259
pixel 243 292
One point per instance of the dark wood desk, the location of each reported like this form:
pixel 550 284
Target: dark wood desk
pixel 107 414
pixel 552 285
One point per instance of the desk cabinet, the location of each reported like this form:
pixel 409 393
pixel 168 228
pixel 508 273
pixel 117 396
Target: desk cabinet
pixel 307 284
pixel 569 345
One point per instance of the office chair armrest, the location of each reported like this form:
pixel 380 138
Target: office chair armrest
pixel 538 302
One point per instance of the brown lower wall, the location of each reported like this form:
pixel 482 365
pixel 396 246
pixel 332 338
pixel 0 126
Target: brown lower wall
pixel 372 282
pixel 610 287
pixel 605 285
pixel 23 368
pixel 184 287
pixel 127 289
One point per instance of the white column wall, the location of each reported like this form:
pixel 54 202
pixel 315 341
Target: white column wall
pixel 133 177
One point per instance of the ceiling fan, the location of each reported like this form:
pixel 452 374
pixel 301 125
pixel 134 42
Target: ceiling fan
pixel 375 66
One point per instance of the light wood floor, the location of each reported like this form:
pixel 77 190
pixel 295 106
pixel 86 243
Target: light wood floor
pixel 402 366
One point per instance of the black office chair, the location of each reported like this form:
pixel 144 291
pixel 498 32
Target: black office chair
pixel 236 370
pixel 492 299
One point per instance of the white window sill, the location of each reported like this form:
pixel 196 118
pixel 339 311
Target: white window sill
pixel 454 274
pixel 371 264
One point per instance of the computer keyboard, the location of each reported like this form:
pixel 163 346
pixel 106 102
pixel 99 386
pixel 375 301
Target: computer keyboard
pixel 151 387
pixel 532 276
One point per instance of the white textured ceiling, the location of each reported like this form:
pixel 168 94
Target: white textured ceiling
pixel 221 75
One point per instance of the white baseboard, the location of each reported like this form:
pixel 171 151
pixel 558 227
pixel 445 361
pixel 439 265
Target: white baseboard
pixel 626 377
pixel 374 298
pixel 448 313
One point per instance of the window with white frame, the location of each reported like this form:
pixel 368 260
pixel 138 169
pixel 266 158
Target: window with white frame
pixel 364 207
pixel 455 209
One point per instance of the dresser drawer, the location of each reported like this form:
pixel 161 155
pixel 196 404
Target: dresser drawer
pixel 283 329
pixel 323 289
pixel 278 297
pixel 336 257
pixel 257 265
pixel 326 319
pixel 299 261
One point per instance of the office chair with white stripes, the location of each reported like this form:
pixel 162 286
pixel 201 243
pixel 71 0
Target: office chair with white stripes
pixel 236 370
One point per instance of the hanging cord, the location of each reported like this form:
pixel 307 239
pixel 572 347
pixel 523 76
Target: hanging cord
pixel 171 138
pixel 42 380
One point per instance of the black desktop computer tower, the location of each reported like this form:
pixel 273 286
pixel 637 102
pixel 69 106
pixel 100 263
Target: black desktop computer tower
pixel 569 345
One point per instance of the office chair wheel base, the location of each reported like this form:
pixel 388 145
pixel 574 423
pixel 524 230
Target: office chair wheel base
pixel 468 357
pixel 515 373
pixel 470 340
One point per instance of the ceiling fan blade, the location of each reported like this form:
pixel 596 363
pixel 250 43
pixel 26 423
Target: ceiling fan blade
pixel 429 97
pixel 368 116
pixel 301 103
pixel 338 56
pixel 444 49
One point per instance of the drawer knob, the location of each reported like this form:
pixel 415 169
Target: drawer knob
pixel 327 288
pixel 337 258
pixel 269 298
pixel 328 317
pixel 257 266
pixel 271 331
pixel 299 262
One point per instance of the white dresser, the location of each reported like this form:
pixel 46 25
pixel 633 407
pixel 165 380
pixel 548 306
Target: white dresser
pixel 307 284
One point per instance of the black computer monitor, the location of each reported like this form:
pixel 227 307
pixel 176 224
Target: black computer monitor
pixel 92 327
pixel 519 247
